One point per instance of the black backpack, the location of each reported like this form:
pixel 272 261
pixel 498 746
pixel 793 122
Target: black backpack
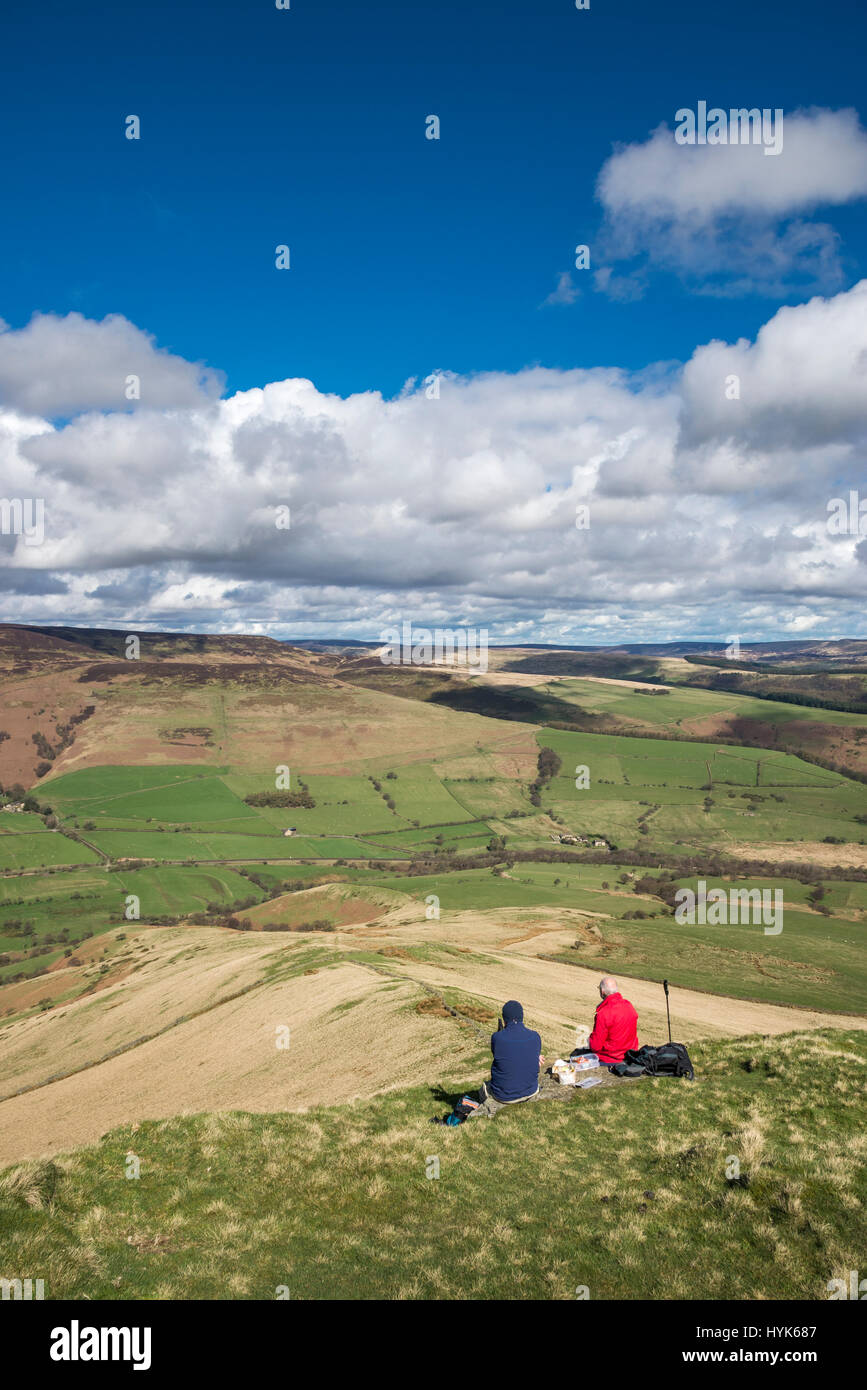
pixel 670 1059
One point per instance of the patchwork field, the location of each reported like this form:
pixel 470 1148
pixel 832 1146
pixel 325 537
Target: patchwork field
pixel 175 838
pixel 650 703
pixel 694 794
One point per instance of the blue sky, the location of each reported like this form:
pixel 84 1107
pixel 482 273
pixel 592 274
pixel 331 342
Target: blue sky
pixel 306 127
pixel 605 387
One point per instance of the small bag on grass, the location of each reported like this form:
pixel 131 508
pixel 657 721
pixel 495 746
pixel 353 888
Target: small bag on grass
pixel 464 1108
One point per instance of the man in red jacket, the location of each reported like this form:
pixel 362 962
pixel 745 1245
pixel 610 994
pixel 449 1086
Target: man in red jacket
pixel 615 1027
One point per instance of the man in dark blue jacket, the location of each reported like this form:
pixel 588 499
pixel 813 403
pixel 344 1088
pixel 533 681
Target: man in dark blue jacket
pixel 515 1068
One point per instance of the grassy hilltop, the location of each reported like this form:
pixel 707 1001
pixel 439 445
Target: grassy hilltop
pixel 628 1192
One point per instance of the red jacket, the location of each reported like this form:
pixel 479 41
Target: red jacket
pixel 615 1029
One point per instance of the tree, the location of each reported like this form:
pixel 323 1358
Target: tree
pixel 548 763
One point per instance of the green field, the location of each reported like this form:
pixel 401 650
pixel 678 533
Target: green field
pixel 697 794
pixel 173 848
pixel 195 813
pixel 168 891
pixel 174 796
pixel 20 823
pixel 681 763
pixel 42 850
pixel 816 961
pixel 204 799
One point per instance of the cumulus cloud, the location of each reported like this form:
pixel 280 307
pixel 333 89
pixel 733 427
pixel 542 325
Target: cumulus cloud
pixel 707 512
pixel 727 218
pixel 63 365
pixel 802 384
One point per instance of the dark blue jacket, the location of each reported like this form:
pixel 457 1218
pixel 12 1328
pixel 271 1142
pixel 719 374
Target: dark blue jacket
pixel 515 1068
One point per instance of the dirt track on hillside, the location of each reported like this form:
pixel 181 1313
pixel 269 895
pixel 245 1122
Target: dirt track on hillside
pixel 514 678
pixel 564 995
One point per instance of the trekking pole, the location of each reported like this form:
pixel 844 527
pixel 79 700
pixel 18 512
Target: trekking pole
pixel 667 1010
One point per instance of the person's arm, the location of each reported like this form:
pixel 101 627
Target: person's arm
pixel 599 1036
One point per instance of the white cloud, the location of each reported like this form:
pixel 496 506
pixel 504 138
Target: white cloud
pixel 61 366
pixel 727 218
pixel 823 161
pixel 707 515
pixel 803 383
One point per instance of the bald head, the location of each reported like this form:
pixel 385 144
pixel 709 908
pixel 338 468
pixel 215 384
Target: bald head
pixel 607 985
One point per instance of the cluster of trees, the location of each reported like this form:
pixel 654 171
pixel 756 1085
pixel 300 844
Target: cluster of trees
pixel 244 924
pixel 715 865
pixel 286 799
pixel 44 948
pixel 214 915
pixel 17 976
pixel 548 764
pixel 318 924
pixel 43 746
pixel 386 796
pixel 814 898
pixel 13 926
pixel 665 887
pixel 858 705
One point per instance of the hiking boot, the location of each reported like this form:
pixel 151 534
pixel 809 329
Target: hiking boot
pixel 483 1093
